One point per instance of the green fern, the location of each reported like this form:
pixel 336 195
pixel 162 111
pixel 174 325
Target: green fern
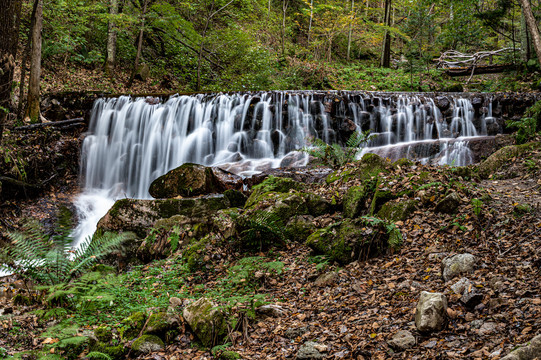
pixel 335 155
pixel 261 229
pixel 50 260
pixel 98 356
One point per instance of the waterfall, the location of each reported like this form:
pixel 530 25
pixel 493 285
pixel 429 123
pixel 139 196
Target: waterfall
pixel 131 141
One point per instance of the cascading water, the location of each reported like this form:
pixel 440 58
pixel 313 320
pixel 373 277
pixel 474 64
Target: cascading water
pixel 131 142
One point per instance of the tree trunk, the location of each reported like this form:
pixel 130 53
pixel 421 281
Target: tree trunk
pixel 310 23
pixel 9 37
pixel 386 52
pixel 285 4
pixel 139 44
pixel 200 55
pixel 532 27
pixel 26 55
pixel 32 112
pixel 350 29
pixel 111 40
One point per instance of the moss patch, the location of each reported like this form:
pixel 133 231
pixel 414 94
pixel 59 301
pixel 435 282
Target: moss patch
pixel 397 211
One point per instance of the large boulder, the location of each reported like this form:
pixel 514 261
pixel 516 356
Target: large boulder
pixel 139 216
pixel 356 200
pixel 186 180
pixel 352 240
pixel 531 351
pixel 431 312
pixel 497 160
pixel 455 265
pixel 206 321
pixel 449 204
pixel 147 344
pixel 370 166
pixel 397 211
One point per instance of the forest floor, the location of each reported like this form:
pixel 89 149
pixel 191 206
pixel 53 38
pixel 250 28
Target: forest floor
pixel 351 310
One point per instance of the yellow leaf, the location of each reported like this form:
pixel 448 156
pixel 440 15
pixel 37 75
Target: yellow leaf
pixel 373 335
pixel 370 282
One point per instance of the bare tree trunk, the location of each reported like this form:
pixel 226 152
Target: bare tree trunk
pixel 350 28
pixel 310 23
pixel 200 55
pixel 532 27
pixel 285 4
pixel 32 112
pixel 139 44
pixel 386 52
pixel 9 37
pixel 111 40
pixel 26 55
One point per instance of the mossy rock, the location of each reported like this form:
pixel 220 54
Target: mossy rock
pixel 161 323
pixel 194 254
pixel 500 158
pixel 147 344
pixel 207 322
pixel 70 348
pixel 300 227
pixel 352 240
pixel 116 352
pixel 287 205
pixel 103 333
pixel 236 198
pixel 368 167
pixel 229 355
pixel 397 211
pixel 22 300
pixel 355 200
pixel 186 180
pixel 139 216
pixel 104 270
pixel 132 326
pixel 271 185
pixel 379 199
pixel 403 162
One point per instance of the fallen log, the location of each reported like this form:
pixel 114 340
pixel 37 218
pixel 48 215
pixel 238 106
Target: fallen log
pixel 479 69
pixel 56 124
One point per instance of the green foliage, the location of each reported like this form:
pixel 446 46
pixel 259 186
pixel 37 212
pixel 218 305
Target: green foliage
pixel 336 156
pixel 96 355
pixel 477 206
pixel 528 125
pixel 261 229
pixel 51 260
pixel 395 236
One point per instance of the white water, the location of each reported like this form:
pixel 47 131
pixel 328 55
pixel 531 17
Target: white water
pixel 131 142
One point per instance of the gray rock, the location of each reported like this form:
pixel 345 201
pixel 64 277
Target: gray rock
pixel 206 321
pixel 488 328
pixel 175 302
pixel 310 350
pixel 458 264
pixel 402 340
pixel 147 344
pixel 470 296
pixel 449 204
pixel 531 351
pixel 431 312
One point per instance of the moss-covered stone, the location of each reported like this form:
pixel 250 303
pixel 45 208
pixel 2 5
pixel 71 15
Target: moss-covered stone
pixel 160 323
pixel 236 198
pixel 229 355
pixel 147 344
pixel 103 334
pixel 271 185
pixel 397 211
pixel 351 240
pixel 449 204
pixel 186 180
pixel 70 348
pixel 379 199
pixel 132 326
pixel 355 200
pixel 194 254
pixel 403 162
pixel 21 299
pixel 497 160
pixel 140 215
pixel 206 321
pixel 300 227
pixel 370 166
pixel 115 352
